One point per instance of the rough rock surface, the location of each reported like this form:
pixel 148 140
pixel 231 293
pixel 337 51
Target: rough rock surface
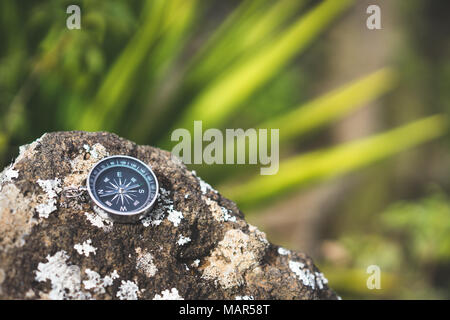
pixel 195 245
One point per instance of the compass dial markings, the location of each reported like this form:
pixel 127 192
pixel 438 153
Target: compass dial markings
pixel 123 185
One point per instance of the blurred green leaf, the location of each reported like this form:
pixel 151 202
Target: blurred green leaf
pixel 326 109
pixel 353 282
pixel 160 68
pixel 117 85
pixel 301 170
pixel 223 96
pixel 425 224
pixel 250 25
pixel 3 142
pixel 333 105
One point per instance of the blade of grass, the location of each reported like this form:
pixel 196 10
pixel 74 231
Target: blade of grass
pixel 218 101
pixel 179 22
pixel 322 165
pixel 332 106
pixel 242 38
pixel 161 68
pixel 251 24
pixel 328 108
pixel 115 89
pixel 228 30
pixel 317 113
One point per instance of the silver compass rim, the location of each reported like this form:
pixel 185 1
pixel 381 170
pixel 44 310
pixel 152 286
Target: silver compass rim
pixel 121 216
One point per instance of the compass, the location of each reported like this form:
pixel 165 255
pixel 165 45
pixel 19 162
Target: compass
pixel 124 187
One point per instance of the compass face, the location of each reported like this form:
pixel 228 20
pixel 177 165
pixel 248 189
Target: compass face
pixel 122 185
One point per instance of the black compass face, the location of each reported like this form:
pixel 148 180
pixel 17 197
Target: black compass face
pixel 122 185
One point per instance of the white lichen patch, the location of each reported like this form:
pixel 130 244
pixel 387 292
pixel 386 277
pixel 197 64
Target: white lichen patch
pixel 86 147
pixel 183 240
pixel 81 166
pixel 51 189
pixel 66 282
pixel 16 217
pixel 219 213
pixel 233 256
pixel 150 221
pixel 99 221
pixel 145 263
pixel 65 279
pixel 30 294
pixel 174 216
pixel 196 263
pixel 308 278
pixel 204 186
pixel 97 151
pixel 17 210
pixel 244 298
pixel 96 283
pixel 283 251
pixel 85 248
pixel 321 280
pixel 258 234
pixel 226 215
pixel 168 295
pixel 7 175
pixel 28 150
pixel 128 290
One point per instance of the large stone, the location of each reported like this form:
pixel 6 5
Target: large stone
pixel 194 245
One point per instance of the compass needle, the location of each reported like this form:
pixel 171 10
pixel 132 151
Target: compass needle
pixel 134 186
pixel 115 187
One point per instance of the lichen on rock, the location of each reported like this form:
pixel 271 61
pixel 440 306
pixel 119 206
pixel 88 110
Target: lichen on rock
pixel 233 256
pixel 195 244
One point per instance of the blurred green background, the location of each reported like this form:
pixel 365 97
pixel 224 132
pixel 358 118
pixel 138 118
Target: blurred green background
pixel 364 146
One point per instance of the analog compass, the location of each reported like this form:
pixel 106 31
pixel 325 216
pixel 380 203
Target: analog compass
pixel 124 187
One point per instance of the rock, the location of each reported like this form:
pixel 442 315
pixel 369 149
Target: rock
pixel 194 245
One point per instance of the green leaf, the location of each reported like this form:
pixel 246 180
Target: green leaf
pixel 333 105
pixel 246 28
pixel 223 96
pixel 321 111
pixel 299 171
pixel 116 87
